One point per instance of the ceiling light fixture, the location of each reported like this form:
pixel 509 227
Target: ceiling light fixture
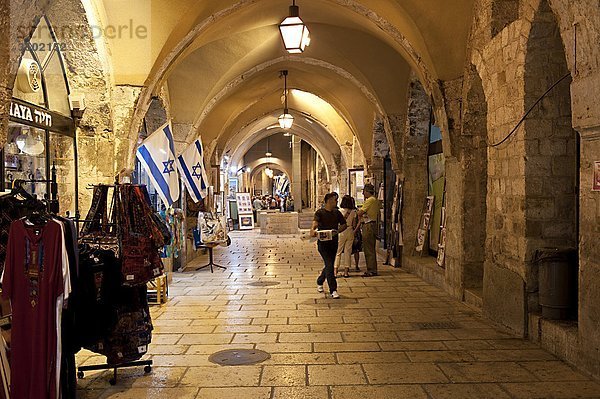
pixel 286 120
pixel 269 172
pixel 294 33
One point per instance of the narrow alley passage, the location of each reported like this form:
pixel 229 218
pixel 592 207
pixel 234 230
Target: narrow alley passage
pixel 391 336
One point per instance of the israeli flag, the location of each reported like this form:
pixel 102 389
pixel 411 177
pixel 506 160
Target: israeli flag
pixel 193 174
pixel 157 156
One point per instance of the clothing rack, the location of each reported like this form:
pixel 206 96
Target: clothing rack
pixel 146 363
pixel 52 202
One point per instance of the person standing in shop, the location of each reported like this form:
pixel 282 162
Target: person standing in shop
pixel 328 218
pixel 368 214
pixel 346 238
pixel 257 205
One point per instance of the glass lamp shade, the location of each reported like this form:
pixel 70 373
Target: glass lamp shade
pixel 30 144
pixel 294 33
pixel 286 120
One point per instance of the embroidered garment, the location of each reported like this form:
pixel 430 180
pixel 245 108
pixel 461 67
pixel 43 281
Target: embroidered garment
pixel 33 281
pixel 141 236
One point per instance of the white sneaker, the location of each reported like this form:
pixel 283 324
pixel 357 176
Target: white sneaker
pixel 335 295
pixel 319 288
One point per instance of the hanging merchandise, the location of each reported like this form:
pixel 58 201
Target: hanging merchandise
pixel 142 235
pixel 16 208
pixel 13 206
pixel 174 221
pixel 115 320
pixel 212 228
pixel 96 231
pixel 39 277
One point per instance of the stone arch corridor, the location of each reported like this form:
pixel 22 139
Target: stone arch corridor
pixel 391 336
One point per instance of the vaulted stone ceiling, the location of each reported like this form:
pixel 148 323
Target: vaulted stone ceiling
pixel 220 60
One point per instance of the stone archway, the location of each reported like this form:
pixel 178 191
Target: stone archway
pixel 551 147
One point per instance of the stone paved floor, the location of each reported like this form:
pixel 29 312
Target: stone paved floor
pixel 372 343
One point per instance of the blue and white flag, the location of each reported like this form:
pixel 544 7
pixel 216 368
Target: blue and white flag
pixel 193 174
pixel 157 156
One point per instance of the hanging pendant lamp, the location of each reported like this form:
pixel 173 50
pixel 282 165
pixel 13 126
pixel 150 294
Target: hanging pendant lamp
pixel 286 120
pixel 268 154
pixel 294 33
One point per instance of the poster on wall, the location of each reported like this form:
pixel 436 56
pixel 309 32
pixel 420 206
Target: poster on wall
pixel 596 185
pixel 441 258
pixel 233 186
pixel 360 178
pixel 218 200
pixel 424 224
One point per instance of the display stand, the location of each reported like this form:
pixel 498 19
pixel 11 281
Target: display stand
pixel 146 363
pixel 211 264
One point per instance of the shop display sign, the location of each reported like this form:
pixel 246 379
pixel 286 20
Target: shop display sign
pixel 244 205
pixel 33 115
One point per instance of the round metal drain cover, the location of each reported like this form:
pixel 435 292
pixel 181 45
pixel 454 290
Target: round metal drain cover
pixel 264 283
pixel 239 357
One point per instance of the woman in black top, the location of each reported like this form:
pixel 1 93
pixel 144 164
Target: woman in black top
pixel 328 218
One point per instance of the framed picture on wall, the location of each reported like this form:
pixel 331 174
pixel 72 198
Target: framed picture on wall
pixel 11 161
pixel 596 185
pixel 246 222
pixel 218 199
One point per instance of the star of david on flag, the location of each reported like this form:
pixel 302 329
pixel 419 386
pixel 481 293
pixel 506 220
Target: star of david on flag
pixel 193 173
pixel 169 166
pixel 157 156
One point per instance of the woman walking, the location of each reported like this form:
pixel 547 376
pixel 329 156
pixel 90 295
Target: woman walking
pixel 346 238
pixel 328 218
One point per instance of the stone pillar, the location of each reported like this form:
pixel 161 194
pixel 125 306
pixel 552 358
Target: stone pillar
pixel 87 72
pixel 589 253
pixel 375 172
pixel 414 168
pixel 381 149
pixel 397 126
pixel 296 183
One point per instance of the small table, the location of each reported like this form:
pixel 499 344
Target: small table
pixel 210 264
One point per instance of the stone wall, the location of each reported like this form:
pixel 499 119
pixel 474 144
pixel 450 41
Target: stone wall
pixel 532 177
pixel 87 75
pixel 415 143
pixel 125 100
